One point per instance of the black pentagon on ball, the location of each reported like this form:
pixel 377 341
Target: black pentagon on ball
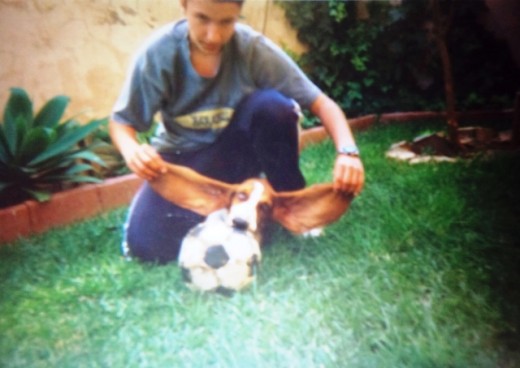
pixel 216 256
pixel 224 291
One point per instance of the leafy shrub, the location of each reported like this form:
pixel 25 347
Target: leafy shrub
pixel 387 62
pixel 102 145
pixel 38 154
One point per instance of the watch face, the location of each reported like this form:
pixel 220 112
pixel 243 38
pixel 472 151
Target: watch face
pixel 350 151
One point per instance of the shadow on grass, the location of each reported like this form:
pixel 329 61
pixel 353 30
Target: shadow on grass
pixel 498 201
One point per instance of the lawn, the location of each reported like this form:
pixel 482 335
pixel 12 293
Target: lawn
pixel 422 271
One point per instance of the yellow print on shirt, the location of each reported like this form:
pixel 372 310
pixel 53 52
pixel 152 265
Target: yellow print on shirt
pixel 208 119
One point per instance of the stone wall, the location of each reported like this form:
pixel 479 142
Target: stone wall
pixel 82 48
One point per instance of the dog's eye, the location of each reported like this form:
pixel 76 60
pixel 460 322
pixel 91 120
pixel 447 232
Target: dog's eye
pixel 242 196
pixel 264 207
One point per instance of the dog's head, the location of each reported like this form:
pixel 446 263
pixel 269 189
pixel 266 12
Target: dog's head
pixel 253 201
pixel 250 205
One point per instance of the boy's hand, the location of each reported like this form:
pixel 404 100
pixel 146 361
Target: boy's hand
pixel 144 161
pixel 349 174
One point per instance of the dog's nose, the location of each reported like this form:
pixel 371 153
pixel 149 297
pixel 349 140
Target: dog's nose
pixel 216 256
pixel 240 223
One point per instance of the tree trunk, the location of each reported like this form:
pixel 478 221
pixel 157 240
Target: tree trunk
pixel 449 90
pixel 362 12
pixel 441 27
pixel 516 122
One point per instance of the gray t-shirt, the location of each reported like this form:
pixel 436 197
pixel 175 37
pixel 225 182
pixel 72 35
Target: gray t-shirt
pixel 194 109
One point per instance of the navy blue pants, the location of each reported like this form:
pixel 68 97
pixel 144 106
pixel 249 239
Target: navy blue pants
pixel 262 137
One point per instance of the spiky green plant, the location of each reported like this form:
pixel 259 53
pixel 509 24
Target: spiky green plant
pixel 38 152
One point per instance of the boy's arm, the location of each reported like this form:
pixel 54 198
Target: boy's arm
pixel 349 174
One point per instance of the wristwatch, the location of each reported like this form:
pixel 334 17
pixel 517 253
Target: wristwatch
pixel 350 150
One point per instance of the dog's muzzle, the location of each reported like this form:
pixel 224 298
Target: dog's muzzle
pixel 240 224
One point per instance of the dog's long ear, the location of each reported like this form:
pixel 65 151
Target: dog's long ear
pixel 309 208
pixel 191 190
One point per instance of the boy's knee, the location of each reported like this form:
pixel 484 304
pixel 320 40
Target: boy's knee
pixel 273 106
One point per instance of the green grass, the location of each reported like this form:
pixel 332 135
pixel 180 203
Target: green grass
pixel 421 272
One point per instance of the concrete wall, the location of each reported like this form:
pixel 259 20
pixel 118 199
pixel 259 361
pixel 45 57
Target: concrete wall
pixel 82 48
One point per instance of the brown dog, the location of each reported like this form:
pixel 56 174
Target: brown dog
pixel 254 201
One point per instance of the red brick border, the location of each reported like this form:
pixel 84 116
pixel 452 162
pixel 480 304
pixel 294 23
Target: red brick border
pixel 317 134
pixel 426 115
pixel 15 221
pixel 66 207
pixel 63 208
pixel 117 192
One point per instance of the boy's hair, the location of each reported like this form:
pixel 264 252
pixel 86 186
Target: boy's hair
pixel 240 2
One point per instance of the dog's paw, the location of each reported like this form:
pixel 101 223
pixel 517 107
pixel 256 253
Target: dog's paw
pixel 125 251
pixel 313 233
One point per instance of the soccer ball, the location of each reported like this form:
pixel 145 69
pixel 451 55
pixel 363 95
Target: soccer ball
pixel 215 256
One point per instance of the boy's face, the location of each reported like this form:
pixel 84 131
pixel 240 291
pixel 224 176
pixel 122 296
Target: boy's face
pixel 211 23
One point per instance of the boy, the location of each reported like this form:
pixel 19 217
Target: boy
pixel 225 94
